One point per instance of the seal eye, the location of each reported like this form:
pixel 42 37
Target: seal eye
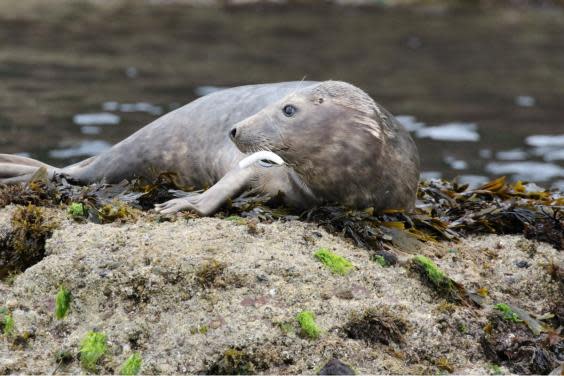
pixel 289 110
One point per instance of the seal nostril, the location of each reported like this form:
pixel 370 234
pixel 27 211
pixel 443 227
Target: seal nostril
pixel 233 132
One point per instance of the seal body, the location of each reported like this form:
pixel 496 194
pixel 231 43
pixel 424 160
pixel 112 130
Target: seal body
pixel 338 145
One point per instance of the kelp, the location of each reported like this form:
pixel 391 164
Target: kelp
pixel 444 210
pixel 505 340
pixel 447 211
pixel 39 191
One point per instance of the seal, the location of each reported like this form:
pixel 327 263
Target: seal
pixel 311 142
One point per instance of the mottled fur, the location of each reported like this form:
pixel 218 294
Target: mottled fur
pixel 340 147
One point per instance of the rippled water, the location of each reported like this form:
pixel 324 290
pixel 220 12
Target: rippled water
pixel 481 92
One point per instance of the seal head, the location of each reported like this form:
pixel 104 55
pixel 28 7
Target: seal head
pixel 343 146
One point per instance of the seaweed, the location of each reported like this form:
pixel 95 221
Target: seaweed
pixel 77 210
pixel 432 273
pixel 203 329
pixel 376 325
pixel 444 363
pixel 337 264
pixel 306 320
pixel 24 246
pixel 116 210
pixel 92 348
pixel 233 362
pixel 496 369
pixel 62 303
pixel 132 365
pixel 38 191
pixel 210 273
pixel 380 260
pixel 444 210
pixel 165 186
pixel 509 343
pixel 286 327
pixel 236 219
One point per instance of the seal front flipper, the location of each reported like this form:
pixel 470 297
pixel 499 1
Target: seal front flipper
pixel 207 203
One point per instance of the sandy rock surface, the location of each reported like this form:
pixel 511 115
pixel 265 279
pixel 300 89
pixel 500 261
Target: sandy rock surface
pixel 157 289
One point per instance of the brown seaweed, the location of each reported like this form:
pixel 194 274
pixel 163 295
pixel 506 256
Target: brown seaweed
pixel 444 210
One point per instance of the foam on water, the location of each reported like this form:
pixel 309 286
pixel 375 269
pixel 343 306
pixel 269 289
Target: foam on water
pixel 100 118
pixel 554 155
pixel 456 131
pixel 525 101
pixel 527 170
pixel 410 122
pixel 545 140
pixel 429 175
pixel 511 155
pixel 456 164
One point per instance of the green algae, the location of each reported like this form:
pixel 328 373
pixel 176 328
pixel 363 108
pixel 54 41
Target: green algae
pixel 435 275
pixel 8 324
pixel 508 313
pixel 62 303
pixel 77 210
pixel 380 260
pixel 309 328
pixel 92 348
pixel 132 365
pixel 337 264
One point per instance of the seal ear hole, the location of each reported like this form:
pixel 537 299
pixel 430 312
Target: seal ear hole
pixel 320 100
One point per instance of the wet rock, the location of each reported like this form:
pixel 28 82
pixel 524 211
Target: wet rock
pixel 336 367
pixel 182 314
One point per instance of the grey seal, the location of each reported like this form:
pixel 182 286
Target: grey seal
pixel 311 142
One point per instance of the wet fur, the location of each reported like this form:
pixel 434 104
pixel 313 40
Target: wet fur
pixel 340 147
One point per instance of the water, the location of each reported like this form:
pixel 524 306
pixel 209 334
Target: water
pixel 481 92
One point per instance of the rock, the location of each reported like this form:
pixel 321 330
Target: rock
pixel 336 367
pixel 186 293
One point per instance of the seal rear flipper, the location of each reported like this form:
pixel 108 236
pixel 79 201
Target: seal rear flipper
pixel 16 169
